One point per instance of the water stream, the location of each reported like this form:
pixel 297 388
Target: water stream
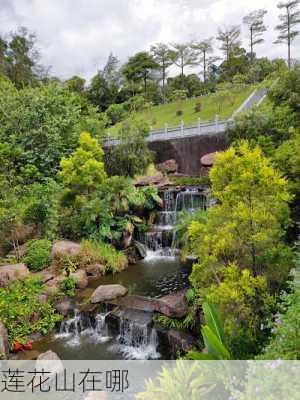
pixel 87 336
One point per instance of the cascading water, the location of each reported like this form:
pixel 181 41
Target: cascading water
pixel 137 341
pixel 80 325
pixel 160 239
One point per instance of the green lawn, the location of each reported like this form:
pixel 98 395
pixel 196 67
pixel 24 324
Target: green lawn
pixel 221 103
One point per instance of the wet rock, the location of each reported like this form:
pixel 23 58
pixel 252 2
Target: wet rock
pixel 141 249
pixel 45 276
pixel 65 247
pixel 156 180
pixel 132 255
pixel 9 273
pixel 65 306
pixel 168 167
pixel 174 305
pixel 81 280
pixel 53 286
pixel 108 292
pixel 180 341
pixel 135 302
pixel 4 347
pixel 95 270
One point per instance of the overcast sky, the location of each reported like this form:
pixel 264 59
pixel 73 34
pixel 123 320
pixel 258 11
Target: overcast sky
pixel 75 37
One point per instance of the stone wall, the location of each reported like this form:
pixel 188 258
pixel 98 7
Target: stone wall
pixel 188 151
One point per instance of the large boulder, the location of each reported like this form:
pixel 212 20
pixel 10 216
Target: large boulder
pixel 12 272
pixel 180 341
pixel 65 306
pixel 174 305
pixel 65 247
pixel 4 348
pixel 80 277
pixel 52 286
pixel 168 167
pixel 208 159
pixel 155 180
pixel 95 270
pixel 108 292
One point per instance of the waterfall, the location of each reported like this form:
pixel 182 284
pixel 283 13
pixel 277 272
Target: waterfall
pixel 160 238
pixel 137 341
pixel 81 325
pixel 136 338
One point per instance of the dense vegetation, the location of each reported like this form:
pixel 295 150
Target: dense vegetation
pixel 57 183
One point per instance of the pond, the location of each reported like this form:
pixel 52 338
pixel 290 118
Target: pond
pixel 91 337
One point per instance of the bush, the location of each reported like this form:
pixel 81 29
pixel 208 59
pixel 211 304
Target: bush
pixel 103 253
pixel 38 254
pixel 116 113
pixel 68 286
pixel 179 113
pixel 198 107
pixel 22 313
pixel 93 252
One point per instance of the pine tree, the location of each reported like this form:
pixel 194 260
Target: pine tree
pixel 164 57
pixel 205 47
pixel 229 38
pixel 287 27
pixel 256 26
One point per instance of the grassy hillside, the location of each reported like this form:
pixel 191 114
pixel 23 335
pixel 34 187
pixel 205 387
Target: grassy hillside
pixel 223 103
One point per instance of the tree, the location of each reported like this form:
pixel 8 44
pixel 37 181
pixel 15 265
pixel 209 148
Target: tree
pixel 245 305
pixel 287 27
pixel 185 56
pixel 229 38
pixel 248 224
pixel 164 57
pixel 76 84
pixel 45 123
pixel 205 48
pixel 132 156
pixel 256 27
pixel 99 92
pixel 22 58
pixel 83 172
pixel 139 68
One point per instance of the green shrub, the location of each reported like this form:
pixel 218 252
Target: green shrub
pixel 198 107
pixel 93 252
pixel 116 113
pixel 38 254
pixel 68 286
pixel 103 253
pixel 21 311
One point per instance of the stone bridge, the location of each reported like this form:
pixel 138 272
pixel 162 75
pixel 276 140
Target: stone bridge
pixel 187 144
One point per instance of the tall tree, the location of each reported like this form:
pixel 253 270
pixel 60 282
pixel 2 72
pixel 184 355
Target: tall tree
pixel 164 57
pixel 140 67
pixel 287 27
pixel 256 27
pixel 22 58
pixel 230 40
pixel 185 56
pixel 205 48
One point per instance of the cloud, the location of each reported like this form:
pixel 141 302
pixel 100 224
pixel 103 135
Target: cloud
pixel 76 37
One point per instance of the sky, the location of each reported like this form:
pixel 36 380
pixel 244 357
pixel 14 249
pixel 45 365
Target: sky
pixel 75 37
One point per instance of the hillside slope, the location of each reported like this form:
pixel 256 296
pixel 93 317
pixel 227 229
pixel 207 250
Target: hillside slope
pixel 222 103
